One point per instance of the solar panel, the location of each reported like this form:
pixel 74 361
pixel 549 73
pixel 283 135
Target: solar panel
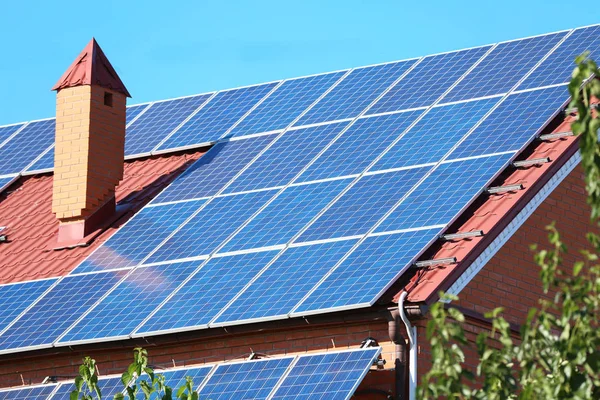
pixel 57 310
pixel 108 387
pixel 504 67
pixel 286 215
pixel 286 104
pixel 439 130
pixel 368 271
pixel 213 170
pixel 5 181
pixel 331 376
pixel 363 205
pixel 358 147
pixel 7 131
pixel 30 393
pixel 285 282
pixel 45 163
pixel 134 111
pixel 435 73
pixel 211 226
pixel 286 157
pixel 158 122
pixel 119 313
pixel 245 380
pixel 449 188
pixel 353 94
pixel 176 378
pixel 514 123
pixel 557 68
pixel 26 145
pixel 134 241
pixel 219 115
pixel 15 298
pixel 209 290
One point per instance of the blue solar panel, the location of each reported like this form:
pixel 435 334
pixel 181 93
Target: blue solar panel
pixel 330 376
pixel 286 215
pixel 175 379
pixel 5 181
pixel 139 237
pixel 503 67
pixel 558 67
pixel 352 152
pixel 245 380
pixel 444 193
pixel 209 290
pixel 514 123
pixel 7 131
pixel 428 80
pixel 26 146
pixel 214 170
pixel 363 205
pixel 158 122
pixel 286 282
pixel 211 226
pixel 45 163
pixel 58 309
pixel 355 92
pixel 14 299
pixel 434 135
pixel 134 111
pixel 368 271
pixel 286 157
pixel 285 104
pixel 214 119
pixel 119 313
pixel 32 393
pixel 108 388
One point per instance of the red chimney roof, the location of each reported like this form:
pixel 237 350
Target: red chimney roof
pixel 92 67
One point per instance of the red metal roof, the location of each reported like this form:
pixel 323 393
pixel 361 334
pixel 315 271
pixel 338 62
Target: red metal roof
pixel 25 209
pixel 92 67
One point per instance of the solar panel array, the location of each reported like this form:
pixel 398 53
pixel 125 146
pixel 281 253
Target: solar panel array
pixel 343 205
pixel 331 375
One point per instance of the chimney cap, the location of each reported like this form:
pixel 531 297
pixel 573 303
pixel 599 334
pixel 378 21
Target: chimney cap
pixel 92 67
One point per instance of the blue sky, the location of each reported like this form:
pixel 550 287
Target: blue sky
pixel 168 49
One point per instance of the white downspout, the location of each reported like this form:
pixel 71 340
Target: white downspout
pixel 412 354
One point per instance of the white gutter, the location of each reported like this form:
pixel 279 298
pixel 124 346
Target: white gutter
pixel 412 354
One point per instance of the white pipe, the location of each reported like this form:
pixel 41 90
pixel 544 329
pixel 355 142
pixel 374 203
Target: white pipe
pixel 412 353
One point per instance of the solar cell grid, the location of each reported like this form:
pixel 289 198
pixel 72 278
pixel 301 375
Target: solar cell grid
pixel 514 123
pixel 329 376
pixel 119 313
pixel 216 117
pixel 7 131
pixel 108 387
pixel 444 193
pixel 207 292
pixel 286 104
pixel 214 169
pixel 286 215
pixel 352 152
pixel 500 70
pixel 26 146
pixel 46 162
pixel 134 111
pixel 4 181
pixel 285 282
pixel 363 205
pixel 557 68
pixel 32 393
pixel 211 226
pixel 355 92
pixel 279 164
pixel 175 379
pixel 431 138
pixel 245 380
pixel 14 299
pixel 362 277
pixel 158 122
pixel 57 310
pixel 428 80
pixel 134 241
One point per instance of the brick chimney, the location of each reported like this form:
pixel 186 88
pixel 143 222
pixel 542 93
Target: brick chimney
pixel 90 143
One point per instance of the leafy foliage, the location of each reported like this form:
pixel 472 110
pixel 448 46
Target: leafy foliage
pixel 558 354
